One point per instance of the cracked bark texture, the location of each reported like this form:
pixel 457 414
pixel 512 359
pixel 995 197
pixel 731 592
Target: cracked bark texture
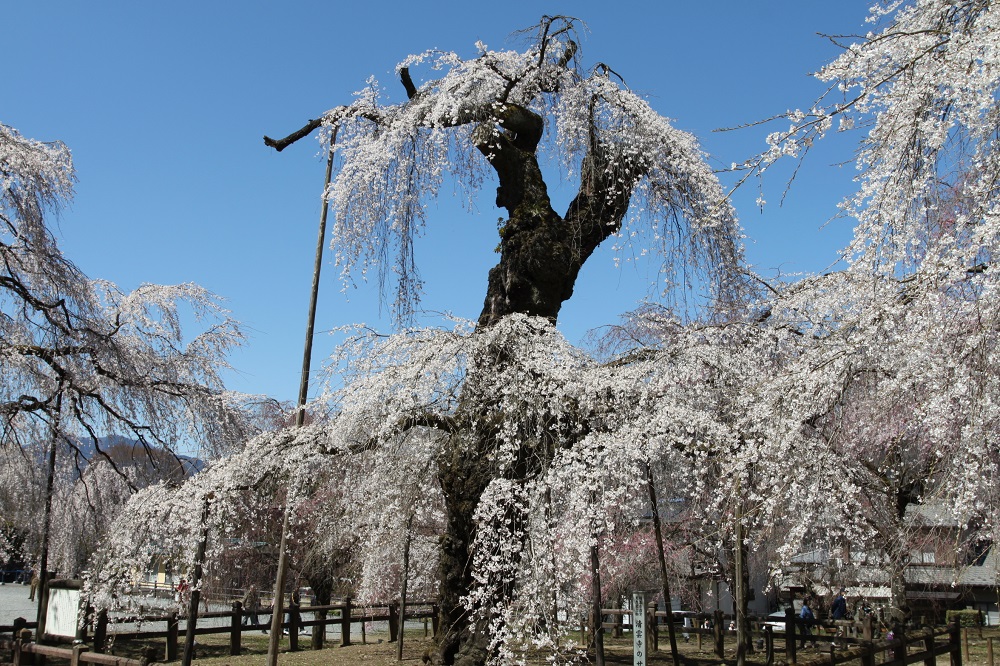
pixel 541 252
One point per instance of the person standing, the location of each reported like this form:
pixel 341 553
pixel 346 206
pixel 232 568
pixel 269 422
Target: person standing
pixel 807 617
pixel 251 604
pixel 34 584
pixel 181 592
pixel 838 611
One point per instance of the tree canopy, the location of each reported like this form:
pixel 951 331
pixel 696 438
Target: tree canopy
pixel 815 412
pixel 520 111
pixel 83 361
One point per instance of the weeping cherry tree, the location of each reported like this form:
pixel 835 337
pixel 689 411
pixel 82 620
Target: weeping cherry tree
pixel 894 385
pixel 84 364
pixel 511 432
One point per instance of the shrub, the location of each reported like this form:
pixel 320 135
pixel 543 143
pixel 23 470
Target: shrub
pixel 965 618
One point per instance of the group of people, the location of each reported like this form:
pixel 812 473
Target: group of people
pixel 838 611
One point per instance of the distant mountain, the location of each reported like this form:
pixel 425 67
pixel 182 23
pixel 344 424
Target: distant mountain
pixel 127 452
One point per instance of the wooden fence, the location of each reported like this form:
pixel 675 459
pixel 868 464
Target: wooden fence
pixel 15 629
pixel 844 640
pixel 23 651
pixel 343 614
pixel 347 614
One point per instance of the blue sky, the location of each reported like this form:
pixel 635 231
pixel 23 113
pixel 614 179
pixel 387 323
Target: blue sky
pixel 164 106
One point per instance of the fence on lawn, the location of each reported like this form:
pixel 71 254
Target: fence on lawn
pixel 344 614
pixel 844 640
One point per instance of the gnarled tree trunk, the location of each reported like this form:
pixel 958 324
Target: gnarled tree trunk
pixel 541 254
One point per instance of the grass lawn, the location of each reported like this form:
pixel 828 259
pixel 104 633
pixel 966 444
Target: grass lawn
pixel 213 651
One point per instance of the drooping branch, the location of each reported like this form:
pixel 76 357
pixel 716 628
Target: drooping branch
pixel 332 117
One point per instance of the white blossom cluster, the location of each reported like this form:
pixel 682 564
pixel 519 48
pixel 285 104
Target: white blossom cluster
pixel 896 383
pixel 570 439
pixel 394 157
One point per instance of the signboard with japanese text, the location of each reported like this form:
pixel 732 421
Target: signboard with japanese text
pixel 639 628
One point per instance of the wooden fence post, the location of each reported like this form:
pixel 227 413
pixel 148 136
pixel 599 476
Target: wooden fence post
pixel 345 626
pixel 965 643
pixel 989 651
pixel 236 628
pixel 720 647
pixel 20 655
pixel 393 621
pixel 652 622
pixel 768 645
pixel 867 653
pixel 101 632
pixel 955 644
pixel 172 636
pixel 790 630
pixel 619 621
pixel 293 626
pixel 930 659
pixel 77 651
pixel 435 619
pixel 899 652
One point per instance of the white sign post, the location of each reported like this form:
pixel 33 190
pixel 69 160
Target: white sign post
pixel 63 610
pixel 639 628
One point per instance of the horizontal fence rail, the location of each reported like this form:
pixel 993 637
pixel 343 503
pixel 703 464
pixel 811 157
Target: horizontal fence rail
pixel 298 618
pixel 843 640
